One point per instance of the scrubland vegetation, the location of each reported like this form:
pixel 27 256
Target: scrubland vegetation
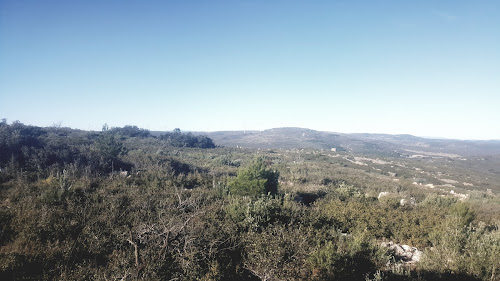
pixel 123 205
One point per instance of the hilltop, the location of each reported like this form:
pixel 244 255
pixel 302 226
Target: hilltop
pixel 374 144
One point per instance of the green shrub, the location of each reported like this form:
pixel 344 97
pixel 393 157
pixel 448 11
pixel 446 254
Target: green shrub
pixel 254 180
pixel 464 212
pixel 345 258
pixel 466 250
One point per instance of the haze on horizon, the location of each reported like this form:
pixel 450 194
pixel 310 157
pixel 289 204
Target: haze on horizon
pixel 426 68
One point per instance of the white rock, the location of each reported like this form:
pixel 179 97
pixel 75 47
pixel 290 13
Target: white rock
pixel 407 248
pixel 403 202
pixel 382 194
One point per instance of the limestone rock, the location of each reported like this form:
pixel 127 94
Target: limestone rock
pixel 403 253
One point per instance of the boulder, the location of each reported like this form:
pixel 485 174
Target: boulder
pixel 403 253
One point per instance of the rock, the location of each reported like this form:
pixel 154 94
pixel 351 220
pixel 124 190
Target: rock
pixel 382 194
pixel 404 202
pixel 413 201
pixel 417 255
pixel 399 251
pixel 386 244
pixel 406 248
pixel 403 253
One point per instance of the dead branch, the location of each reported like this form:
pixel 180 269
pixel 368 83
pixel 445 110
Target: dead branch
pixel 136 252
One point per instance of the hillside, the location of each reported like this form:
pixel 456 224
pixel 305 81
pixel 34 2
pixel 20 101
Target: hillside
pixel 435 162
pixel 277 138
pixel 375 144
pixel 300 138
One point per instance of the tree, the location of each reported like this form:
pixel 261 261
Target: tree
pixel 129 131
pixel 108 149
pixel 254 180
pixel 178 139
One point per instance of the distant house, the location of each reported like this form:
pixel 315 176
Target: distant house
pixel 334 149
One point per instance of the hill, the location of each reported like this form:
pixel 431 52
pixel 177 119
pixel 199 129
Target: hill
pixel 373 144
pixel 455 163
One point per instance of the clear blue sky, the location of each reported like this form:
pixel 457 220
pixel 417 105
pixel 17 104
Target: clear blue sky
pixel 427 68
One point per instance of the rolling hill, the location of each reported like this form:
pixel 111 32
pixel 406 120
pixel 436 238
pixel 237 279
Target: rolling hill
pixel 373 144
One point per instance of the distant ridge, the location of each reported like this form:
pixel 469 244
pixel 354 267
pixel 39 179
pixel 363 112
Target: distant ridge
pixel 374 144
pixel 290 137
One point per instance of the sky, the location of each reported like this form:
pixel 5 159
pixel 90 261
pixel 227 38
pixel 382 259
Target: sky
pixel 427 68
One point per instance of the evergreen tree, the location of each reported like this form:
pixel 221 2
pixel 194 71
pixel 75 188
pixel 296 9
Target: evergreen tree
pixel 255 180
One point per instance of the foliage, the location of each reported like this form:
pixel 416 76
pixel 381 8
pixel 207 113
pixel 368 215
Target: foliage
pixel 254 180
pixel 129 131
pixel 178 139
pixel 108 148
pixel 464 249
pixel 464 212
pixel 182 213
pixel 345 257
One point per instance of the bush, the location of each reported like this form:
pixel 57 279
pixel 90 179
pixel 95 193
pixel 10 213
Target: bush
pixel 466 250
pixel 179 139
pixel 255 180
pixel 345 258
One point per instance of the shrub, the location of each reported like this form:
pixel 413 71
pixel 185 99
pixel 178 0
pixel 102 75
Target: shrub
pixel 345 258
pixel 254 180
